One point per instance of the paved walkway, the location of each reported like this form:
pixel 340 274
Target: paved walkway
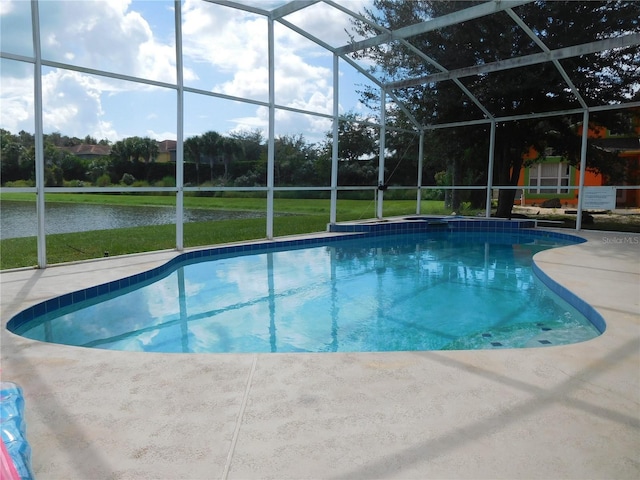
pixel 568 412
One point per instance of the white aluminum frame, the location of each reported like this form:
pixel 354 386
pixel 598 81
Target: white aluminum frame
pixel 401 35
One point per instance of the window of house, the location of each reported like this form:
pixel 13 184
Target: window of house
pixel 549 178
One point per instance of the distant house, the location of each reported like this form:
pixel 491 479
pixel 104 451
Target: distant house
pixel 166 151
pixel 88 151
pixel 554 172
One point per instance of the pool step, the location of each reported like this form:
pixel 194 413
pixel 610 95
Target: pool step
pixel 523 335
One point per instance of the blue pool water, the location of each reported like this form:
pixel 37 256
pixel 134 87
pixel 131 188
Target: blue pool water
pixel 426 291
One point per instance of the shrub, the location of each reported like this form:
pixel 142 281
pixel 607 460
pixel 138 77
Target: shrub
pixel 20 183
pixel 552 203
pixel 73 183
pixel 127 179
pixel 167 181
pixel 103 180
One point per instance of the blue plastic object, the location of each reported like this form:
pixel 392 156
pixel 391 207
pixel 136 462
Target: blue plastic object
pixel 13 428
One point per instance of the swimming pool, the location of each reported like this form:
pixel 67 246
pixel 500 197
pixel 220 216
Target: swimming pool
pixel 412 291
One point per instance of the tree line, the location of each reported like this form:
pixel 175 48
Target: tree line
pixel 214 159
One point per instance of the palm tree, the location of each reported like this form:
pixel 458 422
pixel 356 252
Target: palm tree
pixel 210 147
pixel 193 153
pixel 148 149
pixel 121 150
pixel 230 149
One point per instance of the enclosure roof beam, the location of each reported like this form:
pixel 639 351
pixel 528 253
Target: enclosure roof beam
pixel 526 60
pixel 240 6
pixel 470 13
pixel 291 7
pixel 546 49
pixel 460 85
pixel 306 34
pixel 405 110
pixel 413 49
pixel 316 40
pixel 374 80
pixel 356 15
pixel 526 116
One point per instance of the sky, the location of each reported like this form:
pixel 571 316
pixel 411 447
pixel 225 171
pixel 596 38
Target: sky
pixel 224 51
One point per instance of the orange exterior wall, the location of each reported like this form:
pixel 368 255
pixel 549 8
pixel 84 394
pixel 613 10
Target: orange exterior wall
pixel 591 179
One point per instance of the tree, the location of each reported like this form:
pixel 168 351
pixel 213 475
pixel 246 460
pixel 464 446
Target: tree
pixel 11 153
pixel 607 77
pixel 121 150
pixel 294 161
pixel 249 168
pixel 357 152
pixel 148 149
pixel 192 154
pixel 210 148
pixel 229 150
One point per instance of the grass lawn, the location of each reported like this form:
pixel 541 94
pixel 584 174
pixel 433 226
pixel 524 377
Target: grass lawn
pixel 296 216
pixel 299 216
pixel 67 247
pixel 349 209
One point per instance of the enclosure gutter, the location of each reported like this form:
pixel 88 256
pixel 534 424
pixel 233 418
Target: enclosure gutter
pixel 179 131
pixel 39 139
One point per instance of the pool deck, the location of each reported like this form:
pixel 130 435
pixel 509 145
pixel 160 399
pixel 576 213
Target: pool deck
pixel 570 412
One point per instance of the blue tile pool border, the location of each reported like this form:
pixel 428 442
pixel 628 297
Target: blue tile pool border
pixel 412 225
pixel 572 299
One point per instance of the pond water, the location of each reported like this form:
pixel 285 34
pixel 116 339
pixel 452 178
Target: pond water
pixel 18 219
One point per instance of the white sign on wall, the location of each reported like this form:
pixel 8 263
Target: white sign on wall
pixel 598 198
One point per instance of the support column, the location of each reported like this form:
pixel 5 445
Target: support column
pixel 333 215
pixel 420 163
pixel 492 148
pixel 179 131
pixel 271 142
pixel 39 140
pixel 583 166
pixel 383 131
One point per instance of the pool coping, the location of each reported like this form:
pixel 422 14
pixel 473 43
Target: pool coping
pixel 568 411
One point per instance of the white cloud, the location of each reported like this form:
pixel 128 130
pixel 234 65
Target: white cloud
pixel 17 104
pixel 166 135
pixel 6 7
pixel 259 121
pixel 234 44
pixel 225 50
pixel 328 23
pixel 72 104
pixel 105 35
pixel 223 40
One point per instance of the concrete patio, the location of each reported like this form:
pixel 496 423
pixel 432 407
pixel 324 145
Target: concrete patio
pixel 569 412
